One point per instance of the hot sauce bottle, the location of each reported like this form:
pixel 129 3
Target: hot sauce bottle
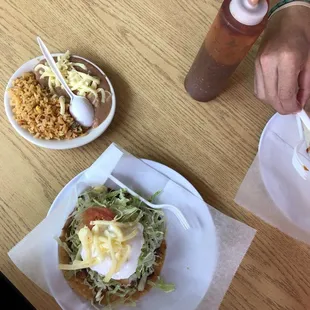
pixel 233 32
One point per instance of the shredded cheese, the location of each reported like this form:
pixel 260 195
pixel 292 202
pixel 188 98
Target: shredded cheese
pixel 86 238
pixel 83 83
pixel 79 264
pixel 114 261
pixel 130 236
pixel 122 258
pixel 105 239
pixel 114 223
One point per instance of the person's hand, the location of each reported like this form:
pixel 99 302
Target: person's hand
pixel 282 76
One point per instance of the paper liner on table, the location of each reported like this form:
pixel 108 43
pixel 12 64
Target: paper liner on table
pixel 272 189
pixel 253 196
pixel 204 258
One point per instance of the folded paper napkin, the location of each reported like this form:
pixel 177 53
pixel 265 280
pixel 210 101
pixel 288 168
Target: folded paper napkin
pixel 272 189
pixel 233 238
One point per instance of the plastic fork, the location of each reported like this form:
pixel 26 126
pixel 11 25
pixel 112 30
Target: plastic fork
pixel 298 164
pixel 171 208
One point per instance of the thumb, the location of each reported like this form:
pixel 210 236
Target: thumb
pixel 303 94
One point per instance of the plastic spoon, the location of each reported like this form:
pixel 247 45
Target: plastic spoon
pixel 80 107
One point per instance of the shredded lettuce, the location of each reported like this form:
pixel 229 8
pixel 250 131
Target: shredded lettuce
pixel 161 284
pixel 127 209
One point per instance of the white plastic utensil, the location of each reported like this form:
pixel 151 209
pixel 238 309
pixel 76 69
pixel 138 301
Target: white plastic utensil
pixel 297 162
pixel 299 166
pixel 173 209
pixel 80 107
pixel 305 118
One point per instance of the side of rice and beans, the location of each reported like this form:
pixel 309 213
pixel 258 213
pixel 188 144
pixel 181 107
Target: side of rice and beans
pixel 40 105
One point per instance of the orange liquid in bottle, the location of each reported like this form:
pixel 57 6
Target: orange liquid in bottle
pixel 226 44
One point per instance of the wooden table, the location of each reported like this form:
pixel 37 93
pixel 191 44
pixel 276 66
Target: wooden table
pixel 146 48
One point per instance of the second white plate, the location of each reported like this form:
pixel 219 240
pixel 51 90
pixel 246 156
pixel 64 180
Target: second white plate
pixel 289 192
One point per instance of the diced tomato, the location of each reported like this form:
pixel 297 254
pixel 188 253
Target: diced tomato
pixel 96 214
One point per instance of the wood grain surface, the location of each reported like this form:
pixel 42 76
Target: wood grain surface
pixel 146 48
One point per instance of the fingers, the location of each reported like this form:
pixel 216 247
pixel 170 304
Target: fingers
pixel 259 87
pixel 266 81
pixel 269 66
pixel 288 70
pixel 303 95
pixel 277 80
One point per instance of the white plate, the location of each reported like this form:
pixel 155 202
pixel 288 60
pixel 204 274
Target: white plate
pixel 289 192
pixel 187 296
pixel 54 144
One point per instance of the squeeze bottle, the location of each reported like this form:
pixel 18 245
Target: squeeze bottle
pixel 233 32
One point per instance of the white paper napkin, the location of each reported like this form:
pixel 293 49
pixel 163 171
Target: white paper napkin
pixel 234 238
pixel 272 189
pixel 253 196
